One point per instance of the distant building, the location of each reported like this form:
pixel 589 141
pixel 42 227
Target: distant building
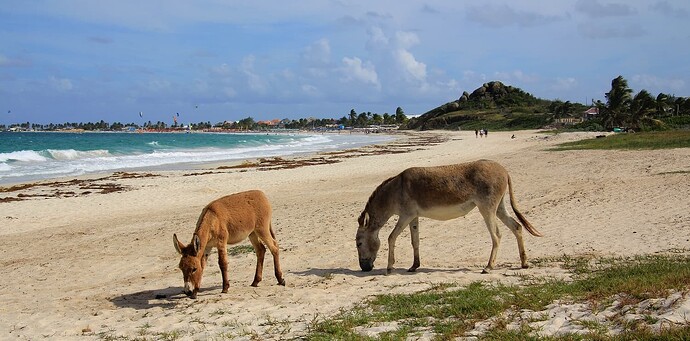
pixel 270 123
pixel 569 120
pixel 590 113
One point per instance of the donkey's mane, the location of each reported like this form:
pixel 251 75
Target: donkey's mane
pixel 378 190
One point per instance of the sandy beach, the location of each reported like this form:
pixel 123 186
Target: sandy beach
pixel 93 258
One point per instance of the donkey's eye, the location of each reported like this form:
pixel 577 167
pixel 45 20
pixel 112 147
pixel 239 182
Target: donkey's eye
pixel 193 270
pixel 359 244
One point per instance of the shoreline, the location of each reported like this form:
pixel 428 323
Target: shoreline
pixel 69 185
pixel 101 265
pixel 336 143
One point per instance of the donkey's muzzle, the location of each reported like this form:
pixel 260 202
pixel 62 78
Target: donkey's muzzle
pixel 190 293
pixel 366 264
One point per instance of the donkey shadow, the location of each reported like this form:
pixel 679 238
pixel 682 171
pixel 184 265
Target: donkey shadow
pixel 324 272
pixel 147 299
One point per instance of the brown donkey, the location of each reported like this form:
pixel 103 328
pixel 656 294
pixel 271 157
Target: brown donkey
pixel 441 193
pixel 229 220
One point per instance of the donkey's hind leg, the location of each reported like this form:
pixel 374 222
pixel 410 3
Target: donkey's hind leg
pixel 414 233
pixel 269 239
pixel 516 228
pixel 489 214
pixel 260 250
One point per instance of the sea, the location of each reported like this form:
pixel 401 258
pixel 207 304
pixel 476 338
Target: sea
pixel 31 156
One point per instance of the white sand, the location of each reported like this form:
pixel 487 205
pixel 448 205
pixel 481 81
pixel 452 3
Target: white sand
pixel 91 266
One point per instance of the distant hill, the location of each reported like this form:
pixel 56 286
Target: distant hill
pixel 491 106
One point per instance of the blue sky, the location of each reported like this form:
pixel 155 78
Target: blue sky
pixel 216 60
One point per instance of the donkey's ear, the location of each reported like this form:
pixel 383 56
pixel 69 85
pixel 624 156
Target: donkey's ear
pixel 197 244
pixel 366 220
pixel 178 246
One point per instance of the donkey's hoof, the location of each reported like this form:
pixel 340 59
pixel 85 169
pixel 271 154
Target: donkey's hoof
pixel 486 270
pixel 389 271
pixel 526 266
pixel 412 269
pixel 281 282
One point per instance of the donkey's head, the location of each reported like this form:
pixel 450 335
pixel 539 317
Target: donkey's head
pixel 367 240
pixel 191 265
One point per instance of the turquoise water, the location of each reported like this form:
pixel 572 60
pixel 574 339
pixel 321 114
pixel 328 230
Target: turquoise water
pixel 27 156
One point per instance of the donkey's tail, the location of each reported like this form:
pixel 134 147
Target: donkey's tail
pixel 270 229
pixel 522 218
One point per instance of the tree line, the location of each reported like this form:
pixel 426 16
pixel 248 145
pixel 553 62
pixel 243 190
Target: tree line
pixel 642 110
pixel 625 109
pixel 353 120
pixel 621 108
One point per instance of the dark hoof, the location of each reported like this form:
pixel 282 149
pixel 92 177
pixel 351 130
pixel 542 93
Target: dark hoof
pixel 412 270
pixel 281 282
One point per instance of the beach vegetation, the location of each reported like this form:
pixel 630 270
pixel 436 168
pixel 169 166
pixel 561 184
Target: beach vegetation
pixel 637 141
pixel 495 106
pixel 449 311
pixel 240 250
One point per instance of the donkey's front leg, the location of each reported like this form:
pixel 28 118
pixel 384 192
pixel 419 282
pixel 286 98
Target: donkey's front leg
pixel 223 265
pixel 402 222
pixel 414 233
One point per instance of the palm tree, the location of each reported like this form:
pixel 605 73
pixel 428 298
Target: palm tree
pixel 617 103
pixel 661 105
pixel 641 106
pixel 353 117
pixel 400 116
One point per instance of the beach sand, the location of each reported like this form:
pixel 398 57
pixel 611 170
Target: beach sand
pixel 93 258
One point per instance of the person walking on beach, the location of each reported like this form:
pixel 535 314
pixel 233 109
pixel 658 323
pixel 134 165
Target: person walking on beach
pixel 476 133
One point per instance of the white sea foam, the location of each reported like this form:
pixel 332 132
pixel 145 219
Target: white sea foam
pixel 22 156
pixel 71 154
pixel 29 165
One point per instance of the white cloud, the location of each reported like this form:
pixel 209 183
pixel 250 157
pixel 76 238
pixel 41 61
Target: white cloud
pixel 563 84
pixel 13 62
pixel 406 40
pixel 502 16
pixel 229 92
pixel 377 38
pixel 598 30
pixel 410 66
pixel 223 70
pixel 665 8
pixel 254 81
pixel 355 69
pixel 653 83
pixel 318 53
pixel 310 90
pixel 60 84
pixel 595 9
pixel 515 76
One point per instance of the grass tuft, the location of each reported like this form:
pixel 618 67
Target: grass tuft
pixel 240 250
pixel 451 312
pixel 633 141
